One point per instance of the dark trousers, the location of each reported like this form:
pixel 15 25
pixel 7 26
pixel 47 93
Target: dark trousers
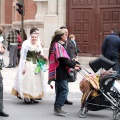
pixel 12 55
pixel 116 66
pixel 61 89
pixel 18 55
pixel 1 93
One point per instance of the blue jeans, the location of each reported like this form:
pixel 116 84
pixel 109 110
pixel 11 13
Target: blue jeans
pixel 61 89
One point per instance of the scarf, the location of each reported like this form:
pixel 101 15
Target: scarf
pixel 73 41
pixel 58 52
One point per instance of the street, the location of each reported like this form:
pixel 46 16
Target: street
pixel 18 110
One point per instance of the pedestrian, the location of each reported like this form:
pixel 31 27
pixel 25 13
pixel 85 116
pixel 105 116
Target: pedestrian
pixel 69 53
pixel 24 34
pixel 59 64
pixel 119 58
pixel 2 50
pixel 66 46
pixel 2 39
pixel 13 43
pixel 19 39
pixel 73 47
pixel 36 30
pixel 111 46
pixel 28 84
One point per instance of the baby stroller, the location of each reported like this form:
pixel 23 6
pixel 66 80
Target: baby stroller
pixel 105 63
pixel 103 98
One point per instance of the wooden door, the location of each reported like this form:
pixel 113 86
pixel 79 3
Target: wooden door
pixel 109 18
pixel 91 21
pixel 81 22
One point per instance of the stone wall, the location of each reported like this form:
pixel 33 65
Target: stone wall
pixel 46 15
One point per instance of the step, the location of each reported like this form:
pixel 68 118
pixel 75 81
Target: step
pixel 85 60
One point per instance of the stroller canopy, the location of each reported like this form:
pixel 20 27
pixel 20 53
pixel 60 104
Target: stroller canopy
pixel 101 62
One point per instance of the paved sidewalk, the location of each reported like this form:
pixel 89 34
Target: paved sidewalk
pixel 10 73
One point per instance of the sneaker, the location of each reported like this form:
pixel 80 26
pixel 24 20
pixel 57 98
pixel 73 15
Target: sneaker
pixel 60 112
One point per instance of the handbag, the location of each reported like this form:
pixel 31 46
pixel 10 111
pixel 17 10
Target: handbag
pixel 72 75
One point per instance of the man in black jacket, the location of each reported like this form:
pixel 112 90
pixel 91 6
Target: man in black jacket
pixel 111 46
pixel 69 53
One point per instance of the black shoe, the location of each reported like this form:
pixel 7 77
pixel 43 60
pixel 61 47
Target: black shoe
pixel 68 102
pixel 38 99
pixel 14 66
pixel 33 101
pixel 3 114
pixel 27 101
pixel 8 66
pixel 19 97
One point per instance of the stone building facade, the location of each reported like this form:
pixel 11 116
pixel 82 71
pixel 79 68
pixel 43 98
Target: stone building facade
pixel 47 15
pixel 89 20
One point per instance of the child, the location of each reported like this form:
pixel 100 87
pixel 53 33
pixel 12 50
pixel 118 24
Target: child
pixel 73 47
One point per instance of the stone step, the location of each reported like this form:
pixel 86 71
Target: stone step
pixel 85 60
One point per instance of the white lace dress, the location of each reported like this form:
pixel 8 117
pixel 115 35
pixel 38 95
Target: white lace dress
pixel 29 85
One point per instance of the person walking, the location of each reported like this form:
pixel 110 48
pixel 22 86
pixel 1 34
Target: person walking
pixel 29 84
pixel 69 53
pixel 111 46
pixel 19 39
pixel 24 34
pixel 2 50
pixel 12 40
pixel 73 47
pixel 36 30
pixel 59 65
pixel 2 41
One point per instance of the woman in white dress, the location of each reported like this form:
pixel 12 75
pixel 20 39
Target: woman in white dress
pixel 28 84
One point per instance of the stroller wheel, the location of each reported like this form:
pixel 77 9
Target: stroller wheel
pixel 83 112
pixel 116 114
pixel 116 117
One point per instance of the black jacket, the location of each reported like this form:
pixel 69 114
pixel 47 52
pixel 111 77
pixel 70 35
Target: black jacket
pixel 61 72
pixel 111 46
pixel 72 49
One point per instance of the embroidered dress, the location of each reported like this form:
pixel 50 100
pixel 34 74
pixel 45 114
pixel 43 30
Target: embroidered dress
pixel 30 84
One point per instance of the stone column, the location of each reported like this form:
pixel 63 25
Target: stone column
pixel 2 11
pixel 62 12
pixel 53 7
pixel 42 9
pixel 51 22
